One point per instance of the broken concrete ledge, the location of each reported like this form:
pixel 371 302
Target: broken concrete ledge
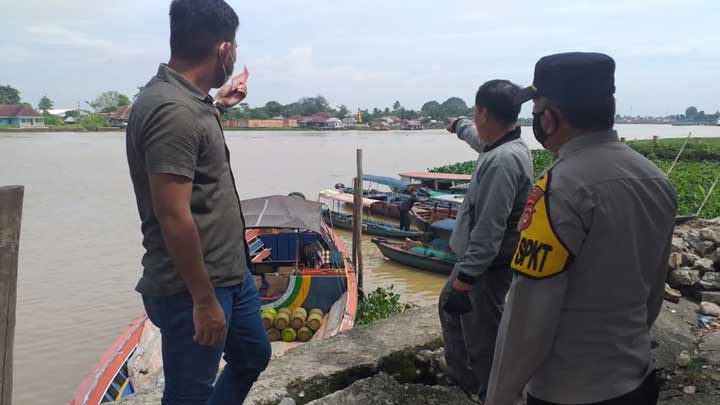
pixel 383 389
pixel 320 368
pixel 377 364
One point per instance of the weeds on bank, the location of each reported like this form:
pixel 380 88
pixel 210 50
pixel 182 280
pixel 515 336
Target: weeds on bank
pixel 381 303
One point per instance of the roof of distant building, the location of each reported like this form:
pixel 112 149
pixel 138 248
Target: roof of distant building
pixel 122 113
pixel 314 118
pixel 60 111
pixel 333 119
pixel 18 111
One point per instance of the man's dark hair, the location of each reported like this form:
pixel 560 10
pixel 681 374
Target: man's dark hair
pixel 591 115
pixel 196 26
pixel 498 97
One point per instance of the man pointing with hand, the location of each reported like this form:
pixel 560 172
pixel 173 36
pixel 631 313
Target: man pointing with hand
pixel 196 283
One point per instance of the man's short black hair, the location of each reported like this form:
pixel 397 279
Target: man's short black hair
pixel 590 115
pixel 196 26
pixel 498 97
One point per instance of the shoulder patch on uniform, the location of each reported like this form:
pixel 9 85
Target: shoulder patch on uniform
pixel 539 254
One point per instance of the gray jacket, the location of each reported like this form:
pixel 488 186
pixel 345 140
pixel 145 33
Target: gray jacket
pixel 590 273
pixel 486 231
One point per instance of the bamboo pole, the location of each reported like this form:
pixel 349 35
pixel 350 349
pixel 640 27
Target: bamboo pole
pixel 358 220
pixel 672 166
pixel 707 196
pixel 354 223
pixel 11 201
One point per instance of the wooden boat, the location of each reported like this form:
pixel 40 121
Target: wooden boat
pixel 110 379
pixel 438 223
pixel 423 257
pixel 385 208
pixel 344 221
pixel 297 261
pixel 396 189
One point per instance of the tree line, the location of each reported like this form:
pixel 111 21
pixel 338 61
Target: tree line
pixel 106 102
pixel 307 106
pixel 110 101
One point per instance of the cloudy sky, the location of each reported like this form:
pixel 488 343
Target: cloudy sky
pixel 371 53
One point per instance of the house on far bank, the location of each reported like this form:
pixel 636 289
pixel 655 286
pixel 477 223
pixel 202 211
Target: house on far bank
pixel 258 123
pixel 411 125
pixel 392 120
pixel 333 123
pixel 349 122
pixel 20 116
pixel 318 120
pixel 120 117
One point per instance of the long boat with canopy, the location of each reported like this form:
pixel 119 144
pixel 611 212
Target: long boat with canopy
pixel 299 265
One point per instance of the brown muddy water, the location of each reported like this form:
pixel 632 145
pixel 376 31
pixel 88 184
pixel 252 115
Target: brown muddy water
pixel 80 243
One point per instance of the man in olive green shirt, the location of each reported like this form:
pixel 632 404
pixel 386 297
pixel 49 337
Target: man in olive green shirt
pixel 195 285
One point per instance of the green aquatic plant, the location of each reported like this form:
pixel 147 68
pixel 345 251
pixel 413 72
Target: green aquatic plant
pixel 381 303
pixel 692 176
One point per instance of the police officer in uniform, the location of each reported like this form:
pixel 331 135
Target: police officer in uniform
pixel 589 270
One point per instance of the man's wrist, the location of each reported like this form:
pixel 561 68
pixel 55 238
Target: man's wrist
pixel 456 122
pixel 466 278
pixel 220 106
pixel 203 295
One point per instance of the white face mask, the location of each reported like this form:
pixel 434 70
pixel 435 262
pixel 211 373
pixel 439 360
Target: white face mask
pixel 226 71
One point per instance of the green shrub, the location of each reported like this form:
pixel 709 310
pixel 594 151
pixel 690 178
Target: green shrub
pixel 51 120
pixel 92 122
pixel 381 303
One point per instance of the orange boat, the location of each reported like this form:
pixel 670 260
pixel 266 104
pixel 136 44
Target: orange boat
pixel 297 261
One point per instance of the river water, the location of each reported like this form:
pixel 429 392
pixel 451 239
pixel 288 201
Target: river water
pixel 80 243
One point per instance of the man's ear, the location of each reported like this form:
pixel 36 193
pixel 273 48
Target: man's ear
pixel 549 121
pixel 223 48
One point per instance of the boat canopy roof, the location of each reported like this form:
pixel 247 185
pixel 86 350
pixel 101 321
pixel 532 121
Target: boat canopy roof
pixel 279 211
pixel 448 198
pixel 461 187
pixel 389 181
pixel 336 195
pixel 439 177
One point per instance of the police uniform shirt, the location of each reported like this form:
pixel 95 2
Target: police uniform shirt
pixel 589 277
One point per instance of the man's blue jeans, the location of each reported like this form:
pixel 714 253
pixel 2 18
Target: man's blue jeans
pixel 190 369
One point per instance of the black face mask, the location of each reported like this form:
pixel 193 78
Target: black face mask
pixel 538 130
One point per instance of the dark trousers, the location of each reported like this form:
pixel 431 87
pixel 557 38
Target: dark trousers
pixel 404 220
pixel 469 339
pixel 646 394
pixel 190 369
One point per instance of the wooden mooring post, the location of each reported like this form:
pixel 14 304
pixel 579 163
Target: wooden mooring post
pixel 11 201
pixel 358 221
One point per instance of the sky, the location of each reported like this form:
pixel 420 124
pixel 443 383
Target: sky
pixel 367 54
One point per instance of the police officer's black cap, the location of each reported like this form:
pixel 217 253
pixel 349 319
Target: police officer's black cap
pixel 571 78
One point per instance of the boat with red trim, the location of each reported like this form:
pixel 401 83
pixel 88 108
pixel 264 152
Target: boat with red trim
pixel 297 261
